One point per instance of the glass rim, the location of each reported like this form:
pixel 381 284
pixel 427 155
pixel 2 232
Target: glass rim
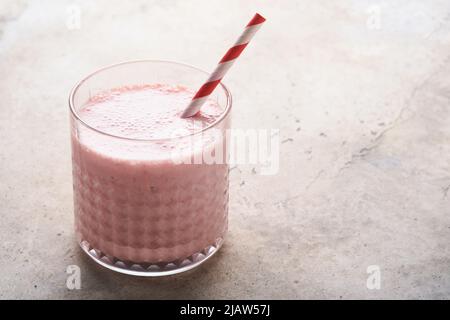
pixel 97 71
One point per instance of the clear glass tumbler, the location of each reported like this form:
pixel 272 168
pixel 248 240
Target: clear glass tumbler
pixel 140 207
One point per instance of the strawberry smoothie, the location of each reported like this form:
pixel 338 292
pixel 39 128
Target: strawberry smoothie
pixel 134 203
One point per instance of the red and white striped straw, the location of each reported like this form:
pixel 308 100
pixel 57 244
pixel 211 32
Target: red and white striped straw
pixel 224 65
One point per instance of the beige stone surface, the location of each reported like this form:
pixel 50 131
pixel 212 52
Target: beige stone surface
pixel 360 91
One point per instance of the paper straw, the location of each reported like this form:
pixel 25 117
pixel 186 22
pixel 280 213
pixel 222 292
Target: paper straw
pixel 224 65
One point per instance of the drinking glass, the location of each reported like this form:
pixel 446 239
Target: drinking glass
pixel 141 207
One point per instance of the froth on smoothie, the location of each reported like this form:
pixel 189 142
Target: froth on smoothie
pixel 150 111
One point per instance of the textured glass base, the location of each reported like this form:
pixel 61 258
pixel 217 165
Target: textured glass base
pixel 151 270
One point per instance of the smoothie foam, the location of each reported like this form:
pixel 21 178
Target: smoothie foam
pixel 146 112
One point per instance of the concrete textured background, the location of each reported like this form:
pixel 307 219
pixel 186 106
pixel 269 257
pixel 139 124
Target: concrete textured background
pixel 360 91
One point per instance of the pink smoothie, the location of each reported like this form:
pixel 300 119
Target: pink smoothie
pixel 132 201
